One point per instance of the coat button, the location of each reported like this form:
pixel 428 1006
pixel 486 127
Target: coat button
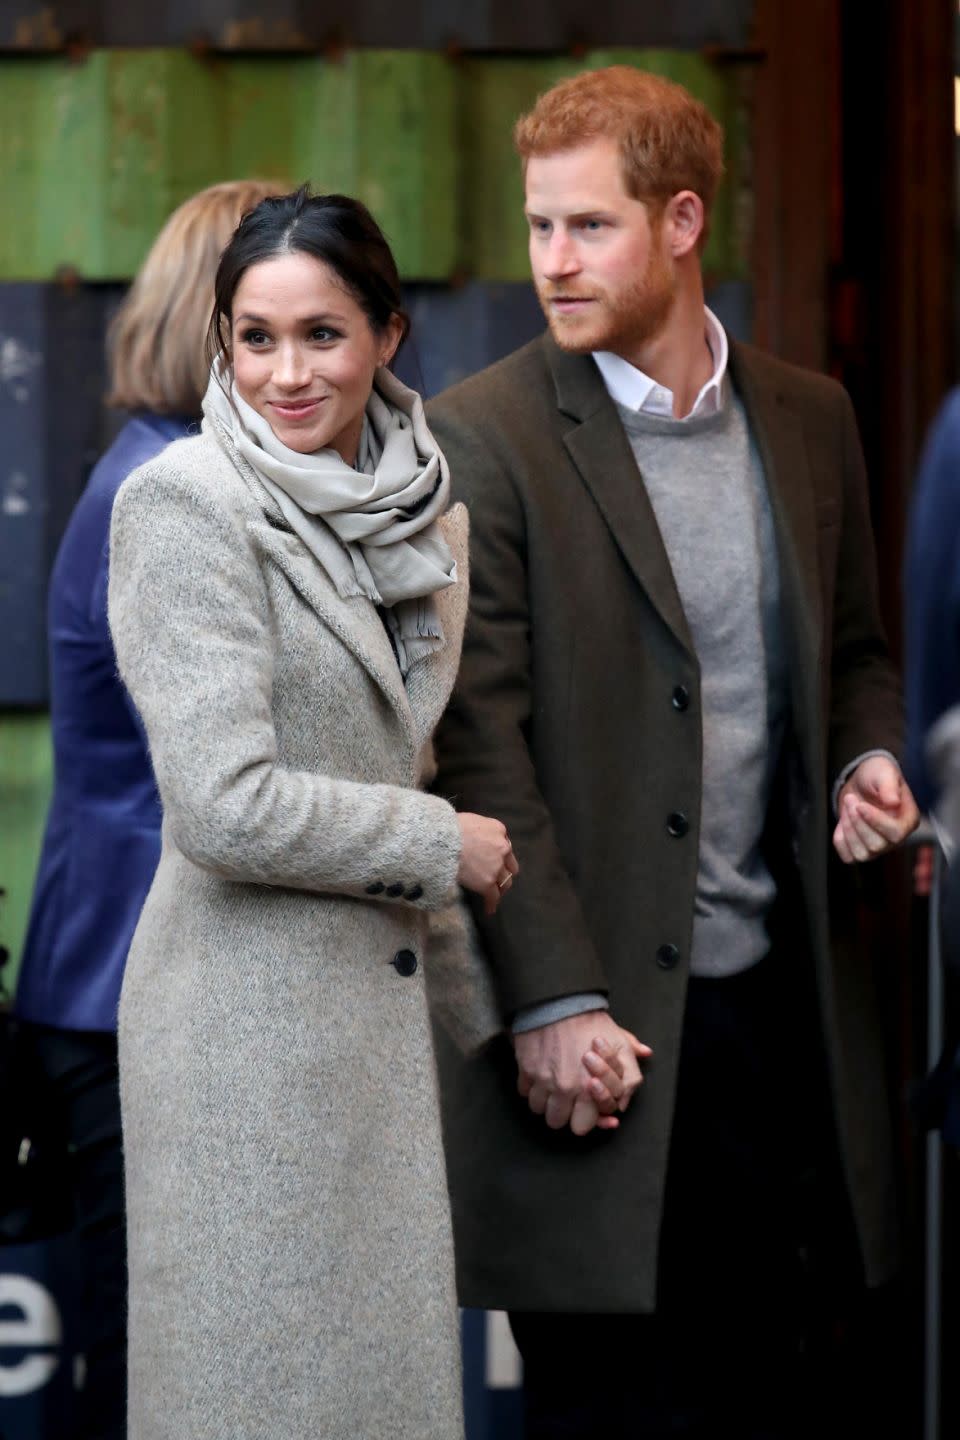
pixel 415 892
pixel 667 956
pixel 377 888
pixel 394 891
pixel 680 699
pixel 677 826
pixel 404 962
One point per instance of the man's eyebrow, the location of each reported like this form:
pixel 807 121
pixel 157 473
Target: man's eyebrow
pixel 596 214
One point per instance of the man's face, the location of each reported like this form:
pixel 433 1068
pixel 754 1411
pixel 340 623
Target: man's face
pixel 602 270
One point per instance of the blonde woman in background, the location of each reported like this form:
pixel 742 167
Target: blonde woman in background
pixel 102 839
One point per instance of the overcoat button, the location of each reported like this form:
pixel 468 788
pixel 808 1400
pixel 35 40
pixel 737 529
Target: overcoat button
pixel 404 962
pixel 667 956
pixel 377 888
pixel 415 892
pixel 394 891
pixel 677 826
pixel 680 698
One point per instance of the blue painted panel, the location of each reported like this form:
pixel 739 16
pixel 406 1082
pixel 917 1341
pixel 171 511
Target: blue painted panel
pixel 732 303
pixel 40 1364
pixel 456 332
pixel 493 1410
pixel 32 25
pixel 541 25
pixel 53 424
pixel 418 24
pixel 226 24
pixel 23 495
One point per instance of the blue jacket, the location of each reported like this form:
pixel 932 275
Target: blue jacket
pixel 932 594
pixel 102 840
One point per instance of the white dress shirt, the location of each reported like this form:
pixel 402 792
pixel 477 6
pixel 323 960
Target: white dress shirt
pixel 634 390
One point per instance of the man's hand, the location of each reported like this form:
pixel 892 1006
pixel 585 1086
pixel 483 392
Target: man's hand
pixel 562 1084
pixel 876 809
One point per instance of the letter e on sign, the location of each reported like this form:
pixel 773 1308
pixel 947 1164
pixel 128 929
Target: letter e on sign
pixel 38 1325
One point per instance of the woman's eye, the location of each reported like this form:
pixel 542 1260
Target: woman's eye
pixel 322 333
pixel 255 337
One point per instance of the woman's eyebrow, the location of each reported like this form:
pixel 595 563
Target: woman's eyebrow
pixel 307 319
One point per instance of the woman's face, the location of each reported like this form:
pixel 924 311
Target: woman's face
pixel 304 353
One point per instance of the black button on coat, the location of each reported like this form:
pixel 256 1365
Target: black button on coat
pixel 405 963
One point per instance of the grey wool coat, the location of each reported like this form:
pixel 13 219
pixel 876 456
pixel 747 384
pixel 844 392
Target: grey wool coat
pixel 291 1268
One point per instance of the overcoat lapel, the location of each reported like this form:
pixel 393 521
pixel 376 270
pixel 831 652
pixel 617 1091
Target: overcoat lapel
pixel 431 680
pixel 599 448
pixel 778 433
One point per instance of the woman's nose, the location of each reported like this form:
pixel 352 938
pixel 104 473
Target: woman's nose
pixel 291 370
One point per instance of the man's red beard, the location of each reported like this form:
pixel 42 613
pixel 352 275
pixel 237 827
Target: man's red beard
pixel 621 322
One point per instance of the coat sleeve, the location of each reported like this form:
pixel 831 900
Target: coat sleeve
pixel 538 942
pixel 865 708
pixel 192 631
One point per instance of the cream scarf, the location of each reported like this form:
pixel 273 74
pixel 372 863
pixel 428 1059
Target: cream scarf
pixel 373 526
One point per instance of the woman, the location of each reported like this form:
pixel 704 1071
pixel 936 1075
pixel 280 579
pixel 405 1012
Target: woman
pixel 102 839
pixel 287 599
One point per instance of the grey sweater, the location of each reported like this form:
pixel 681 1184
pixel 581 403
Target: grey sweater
pixel 706 484
pixel 708 492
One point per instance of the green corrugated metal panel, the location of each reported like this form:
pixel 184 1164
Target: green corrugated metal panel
pixel 495 93
pixel 262 104
pixel 26 777
pixel 95 155
pixel 116 142
pixel 381 125
pixel 20 84
pixel 377 124
pixel 714 87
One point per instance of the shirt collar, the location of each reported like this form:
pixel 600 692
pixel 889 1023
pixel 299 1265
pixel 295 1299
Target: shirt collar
pixel 634 390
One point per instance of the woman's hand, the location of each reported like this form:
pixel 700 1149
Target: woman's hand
pixel 487 861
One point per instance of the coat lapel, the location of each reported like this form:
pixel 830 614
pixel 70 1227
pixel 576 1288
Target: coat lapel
pixel 779 435
pixel 598 446
pixel 430 682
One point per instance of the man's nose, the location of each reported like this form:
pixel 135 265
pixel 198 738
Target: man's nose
pixel 561 258
pixel 291 370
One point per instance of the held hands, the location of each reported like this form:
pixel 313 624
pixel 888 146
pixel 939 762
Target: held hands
pixel 876 809
pixel 580 1071
pixel 487 862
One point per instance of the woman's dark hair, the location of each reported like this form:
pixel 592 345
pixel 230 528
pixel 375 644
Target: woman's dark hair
pixel 334 229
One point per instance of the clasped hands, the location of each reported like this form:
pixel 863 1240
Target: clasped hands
pixel 581 1072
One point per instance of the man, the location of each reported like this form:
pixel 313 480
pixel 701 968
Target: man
pixel 674 669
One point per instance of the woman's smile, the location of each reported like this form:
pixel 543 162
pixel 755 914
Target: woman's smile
pixel 296 409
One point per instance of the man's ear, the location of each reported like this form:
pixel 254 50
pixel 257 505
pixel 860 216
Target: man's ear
pixel 684 220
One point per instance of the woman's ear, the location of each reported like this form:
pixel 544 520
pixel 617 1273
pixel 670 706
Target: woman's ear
pixel 390 339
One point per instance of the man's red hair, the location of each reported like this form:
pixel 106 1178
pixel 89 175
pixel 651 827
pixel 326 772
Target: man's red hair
pixel 668 140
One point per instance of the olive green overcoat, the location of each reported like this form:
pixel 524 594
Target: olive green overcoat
pixel 566 724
